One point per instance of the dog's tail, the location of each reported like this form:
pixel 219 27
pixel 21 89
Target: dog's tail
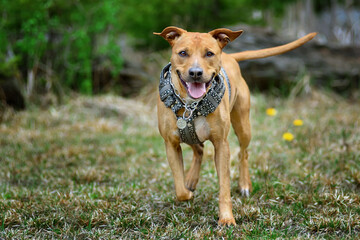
pixel 268 52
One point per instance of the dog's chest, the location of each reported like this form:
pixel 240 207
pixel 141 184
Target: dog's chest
pixel 202 128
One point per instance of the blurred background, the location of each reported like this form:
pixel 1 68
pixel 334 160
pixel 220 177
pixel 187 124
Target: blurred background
pixel 50 49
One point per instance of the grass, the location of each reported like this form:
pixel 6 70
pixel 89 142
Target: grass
pixel 95 168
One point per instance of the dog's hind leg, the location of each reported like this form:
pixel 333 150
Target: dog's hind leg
pixel 241 124
pixel 192 176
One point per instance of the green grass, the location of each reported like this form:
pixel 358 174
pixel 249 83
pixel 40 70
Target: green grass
pixel 95 168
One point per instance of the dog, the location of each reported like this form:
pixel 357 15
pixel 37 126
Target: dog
pixel 197 63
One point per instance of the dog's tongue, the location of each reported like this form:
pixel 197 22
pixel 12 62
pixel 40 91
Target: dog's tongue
pixel 196 90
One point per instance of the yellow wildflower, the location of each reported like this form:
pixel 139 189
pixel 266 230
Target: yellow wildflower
pixel 271 111
pixel 298 122
pixel 288 136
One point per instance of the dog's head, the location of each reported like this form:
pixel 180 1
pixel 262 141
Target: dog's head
pixel 196 57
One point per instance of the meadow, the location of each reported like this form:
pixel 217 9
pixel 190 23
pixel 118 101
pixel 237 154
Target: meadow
pixel 95 168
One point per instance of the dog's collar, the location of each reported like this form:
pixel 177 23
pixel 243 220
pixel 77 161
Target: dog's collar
pixel 203 107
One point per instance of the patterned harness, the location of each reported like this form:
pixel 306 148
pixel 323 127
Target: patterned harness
pixel 171 98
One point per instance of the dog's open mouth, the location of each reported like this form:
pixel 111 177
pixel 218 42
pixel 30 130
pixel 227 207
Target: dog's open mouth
pixel 195 89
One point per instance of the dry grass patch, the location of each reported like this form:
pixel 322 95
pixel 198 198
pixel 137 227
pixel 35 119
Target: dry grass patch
pixel 96 168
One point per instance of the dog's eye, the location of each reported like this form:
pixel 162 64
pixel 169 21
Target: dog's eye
pixel 183 54
pixel 210 54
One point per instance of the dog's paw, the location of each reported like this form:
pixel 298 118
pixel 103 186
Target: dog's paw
pixel 191 183
pixel 185 196
pixel 245 192
pixel 227 222
pixel 245 188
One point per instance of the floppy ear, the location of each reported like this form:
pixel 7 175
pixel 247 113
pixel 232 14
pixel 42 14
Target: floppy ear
pixel 170 34
pixel 224 36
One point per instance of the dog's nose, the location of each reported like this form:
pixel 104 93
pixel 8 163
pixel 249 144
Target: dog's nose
pixel 195 73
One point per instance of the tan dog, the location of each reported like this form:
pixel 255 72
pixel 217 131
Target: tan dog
pixel 196 59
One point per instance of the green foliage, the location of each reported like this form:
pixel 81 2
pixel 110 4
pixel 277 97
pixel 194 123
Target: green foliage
pixel 72 38
pixel 8 67
pixel 144 17
pixel 62 35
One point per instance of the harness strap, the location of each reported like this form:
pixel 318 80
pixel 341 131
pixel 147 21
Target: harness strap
pixel 228 81
pixel 188 134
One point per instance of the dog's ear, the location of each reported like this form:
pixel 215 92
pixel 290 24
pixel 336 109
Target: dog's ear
pixel 224 36
pixel 171 33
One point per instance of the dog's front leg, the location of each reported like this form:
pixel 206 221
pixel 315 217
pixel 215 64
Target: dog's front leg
pixel 222 162
pixel 174 155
